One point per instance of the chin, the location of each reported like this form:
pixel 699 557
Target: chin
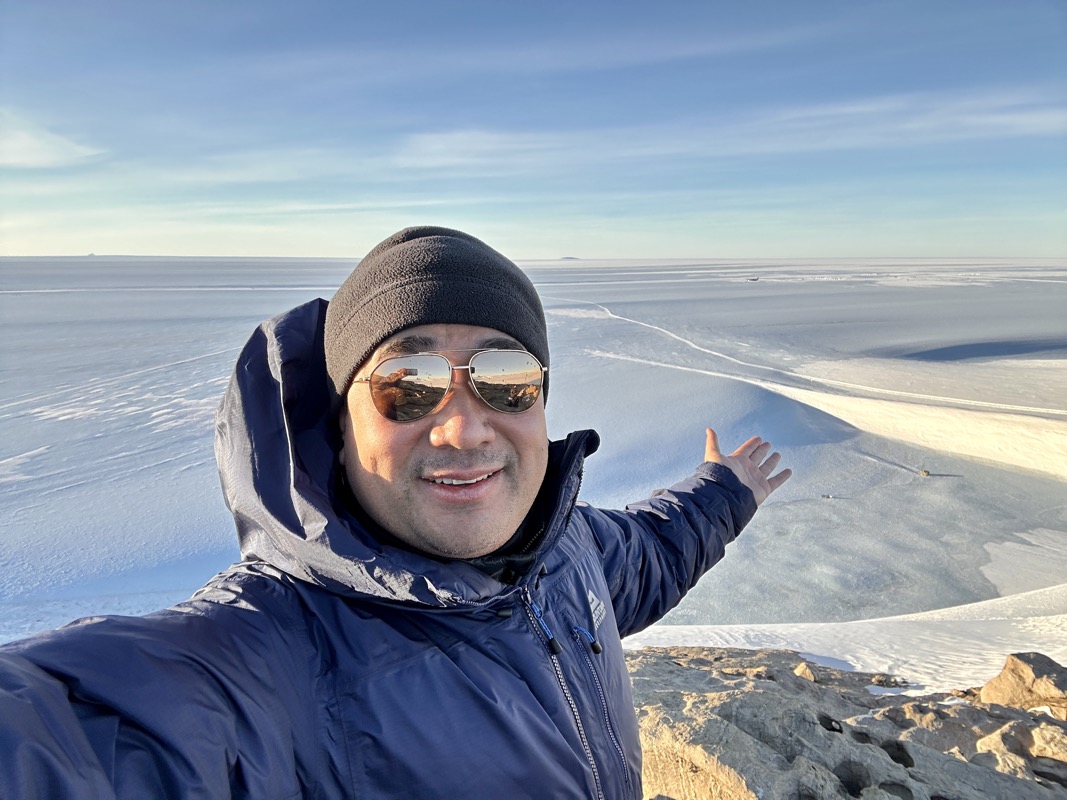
pixel 470 548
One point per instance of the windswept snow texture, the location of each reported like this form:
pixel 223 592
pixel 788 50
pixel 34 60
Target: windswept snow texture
pixel 922 405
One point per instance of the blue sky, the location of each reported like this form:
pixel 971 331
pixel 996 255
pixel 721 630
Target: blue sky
pixel 698 129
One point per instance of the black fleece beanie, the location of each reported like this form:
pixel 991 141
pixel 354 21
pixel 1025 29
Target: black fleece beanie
pixel 422 276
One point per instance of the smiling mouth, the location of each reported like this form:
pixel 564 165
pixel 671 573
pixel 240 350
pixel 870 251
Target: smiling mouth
pixel 460 482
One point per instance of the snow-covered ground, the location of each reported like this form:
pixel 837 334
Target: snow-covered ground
pixel 922 405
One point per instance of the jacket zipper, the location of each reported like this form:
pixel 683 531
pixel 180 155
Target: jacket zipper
pixel 580 634
pixel 554 649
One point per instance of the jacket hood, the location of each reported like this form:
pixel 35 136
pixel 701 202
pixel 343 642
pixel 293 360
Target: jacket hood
pixel 276 444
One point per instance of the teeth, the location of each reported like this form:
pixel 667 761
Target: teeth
pixel 455 482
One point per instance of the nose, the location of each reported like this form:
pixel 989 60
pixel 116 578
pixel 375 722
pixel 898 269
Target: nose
pixel 463 421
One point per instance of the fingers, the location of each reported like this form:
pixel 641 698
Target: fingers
pixel 777 480
pixel 748 448
pixel 760 452
pixel 755 450
pixel 767 467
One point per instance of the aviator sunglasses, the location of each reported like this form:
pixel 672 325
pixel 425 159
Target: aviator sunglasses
pixel 407 388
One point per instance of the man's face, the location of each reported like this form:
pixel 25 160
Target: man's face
pixel 395 468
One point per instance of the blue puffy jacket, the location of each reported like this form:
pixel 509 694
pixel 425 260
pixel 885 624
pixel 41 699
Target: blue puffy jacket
pixel 327 664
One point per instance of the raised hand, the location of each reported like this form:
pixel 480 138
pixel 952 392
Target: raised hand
pixel 750 463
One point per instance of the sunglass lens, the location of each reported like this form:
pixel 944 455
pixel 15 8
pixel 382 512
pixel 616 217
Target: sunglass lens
pixel 409 387
pixel 508 380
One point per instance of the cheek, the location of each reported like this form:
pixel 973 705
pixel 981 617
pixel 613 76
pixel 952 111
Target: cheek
pixel 358 437
pixel 376 446
pixel 535 425
pixel 371 456
pixel 531 438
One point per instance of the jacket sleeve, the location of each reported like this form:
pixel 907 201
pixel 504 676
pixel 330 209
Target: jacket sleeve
pixel 200 701
pixel 656 550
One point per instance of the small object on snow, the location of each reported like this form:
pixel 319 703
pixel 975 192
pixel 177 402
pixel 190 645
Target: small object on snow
pixel 827 497
pixel 888 681
pixel 924 473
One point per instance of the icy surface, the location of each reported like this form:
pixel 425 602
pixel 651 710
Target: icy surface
pixel 922 405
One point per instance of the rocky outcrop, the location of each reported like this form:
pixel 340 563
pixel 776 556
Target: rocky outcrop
pixel 1031 681
pixel 720 724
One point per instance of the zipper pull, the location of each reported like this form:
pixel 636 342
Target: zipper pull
pixel 553 643
pixel 540 574
pixel 594 645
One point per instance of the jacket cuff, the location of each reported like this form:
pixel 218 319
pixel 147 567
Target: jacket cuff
pixel 724 477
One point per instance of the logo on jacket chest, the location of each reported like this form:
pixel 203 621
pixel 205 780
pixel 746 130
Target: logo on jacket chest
pixel 597 609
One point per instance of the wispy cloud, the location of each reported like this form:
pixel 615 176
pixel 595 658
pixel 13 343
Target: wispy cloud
pixel 325 174
pixel 562 54
pixel 616 51
pixel 479 149
pixel 434 166
pixel 908 120
pixel 884 122
pixel 25 144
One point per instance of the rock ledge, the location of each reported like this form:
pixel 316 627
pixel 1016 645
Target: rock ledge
pixel 726 724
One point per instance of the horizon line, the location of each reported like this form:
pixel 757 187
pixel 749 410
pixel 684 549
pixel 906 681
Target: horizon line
pixel 72 256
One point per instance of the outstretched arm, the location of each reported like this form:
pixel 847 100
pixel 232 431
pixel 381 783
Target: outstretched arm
pixel 750 463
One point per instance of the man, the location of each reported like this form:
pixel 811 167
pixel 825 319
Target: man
pixel 422 609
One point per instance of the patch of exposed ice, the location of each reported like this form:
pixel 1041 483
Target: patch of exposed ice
pixel 1041 559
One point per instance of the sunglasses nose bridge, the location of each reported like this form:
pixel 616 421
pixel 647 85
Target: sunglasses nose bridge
pixel 462 418
pixel 453 383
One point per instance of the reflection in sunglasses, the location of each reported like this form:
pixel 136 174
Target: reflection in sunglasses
pixel 506 380
pixel 510 396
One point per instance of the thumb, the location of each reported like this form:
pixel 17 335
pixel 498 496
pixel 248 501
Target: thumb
pixel 711 447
